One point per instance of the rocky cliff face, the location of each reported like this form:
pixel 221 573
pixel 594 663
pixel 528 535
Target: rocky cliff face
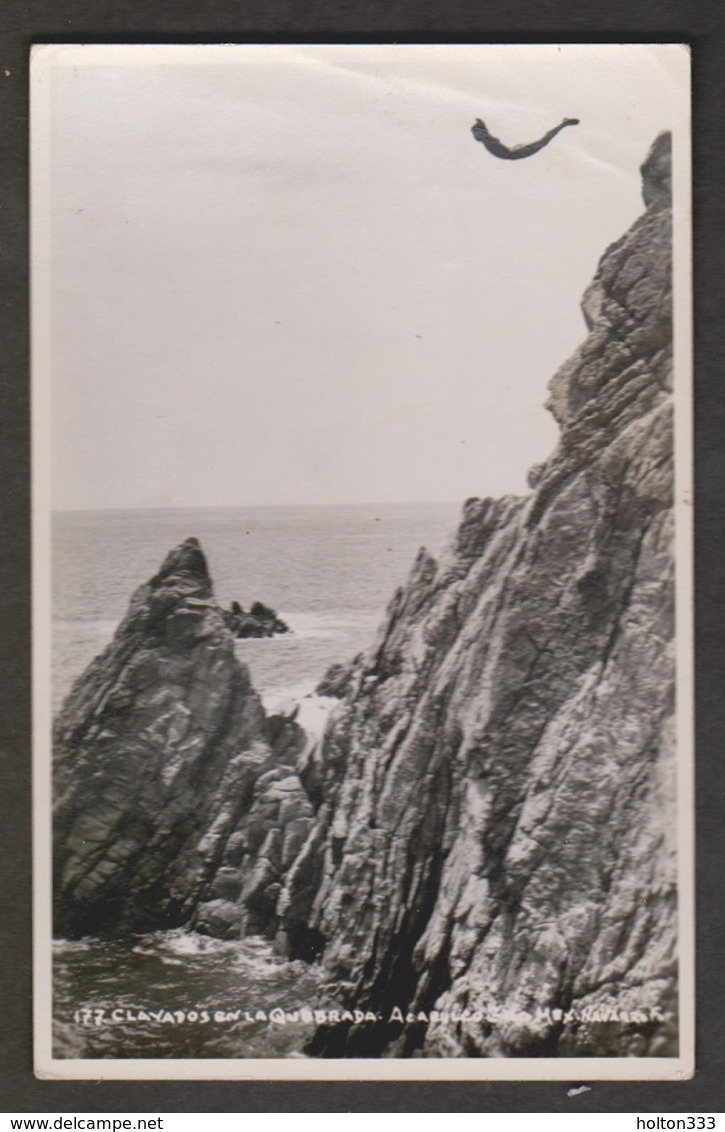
pixel 169 779
pixel 494 833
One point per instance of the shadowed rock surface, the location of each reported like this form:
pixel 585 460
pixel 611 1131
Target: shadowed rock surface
pixel 163 755
pixel 259 621
pixel 336 681
pixel 496 824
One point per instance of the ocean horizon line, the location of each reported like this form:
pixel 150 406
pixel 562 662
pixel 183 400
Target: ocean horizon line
pixel 258 506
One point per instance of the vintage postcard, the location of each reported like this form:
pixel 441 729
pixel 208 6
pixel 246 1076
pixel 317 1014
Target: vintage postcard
pixel 362 568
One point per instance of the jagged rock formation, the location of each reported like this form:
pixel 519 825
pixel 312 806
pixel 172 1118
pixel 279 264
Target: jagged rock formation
pixel 495 822
pixel 259 621
pixel 163 758
pixel 336 681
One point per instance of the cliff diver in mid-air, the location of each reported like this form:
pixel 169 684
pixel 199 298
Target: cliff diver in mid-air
pixel 516 152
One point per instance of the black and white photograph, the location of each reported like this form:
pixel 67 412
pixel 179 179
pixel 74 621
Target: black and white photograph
pixel 362 561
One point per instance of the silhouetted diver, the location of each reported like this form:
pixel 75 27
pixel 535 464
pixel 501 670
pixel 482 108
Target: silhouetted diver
pixel 498 149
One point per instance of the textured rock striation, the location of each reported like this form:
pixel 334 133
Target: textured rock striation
pixel 168 776
pixel 494 831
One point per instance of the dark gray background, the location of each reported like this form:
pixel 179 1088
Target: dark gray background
pixel 193 21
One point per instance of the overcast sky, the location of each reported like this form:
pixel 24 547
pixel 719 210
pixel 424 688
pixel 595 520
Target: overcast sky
pixel 290 275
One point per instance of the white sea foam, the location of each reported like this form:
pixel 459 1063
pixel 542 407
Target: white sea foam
pixel 181 942
pixel 314 712
pixel 71 946
pixel 178 946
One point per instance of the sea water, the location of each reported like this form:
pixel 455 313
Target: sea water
pixel 329 572
pixel 177 994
